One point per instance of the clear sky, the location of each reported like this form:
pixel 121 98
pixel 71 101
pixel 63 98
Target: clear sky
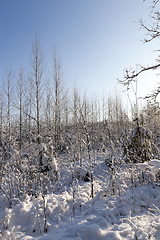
pixel 97 39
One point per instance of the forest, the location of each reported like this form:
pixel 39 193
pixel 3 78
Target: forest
pixel 76 167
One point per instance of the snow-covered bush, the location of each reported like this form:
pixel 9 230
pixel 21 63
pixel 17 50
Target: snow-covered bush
pixel 45 157
pixel 139 146
pixel 153 166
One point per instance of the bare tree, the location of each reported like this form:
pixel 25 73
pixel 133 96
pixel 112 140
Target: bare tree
pixel 77 126
pixel 8 90
pixel 36 61
pixel 58 97
pixel 48 110
pixel 18 103
pixel 1 115
pixel 152 33
pixel 83 118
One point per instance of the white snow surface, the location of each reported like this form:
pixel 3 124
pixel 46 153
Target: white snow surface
pixel 133 214
pixel 153 166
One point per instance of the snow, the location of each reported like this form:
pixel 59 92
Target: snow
pixel 131 214
pixel 142 166
pixel 154 162
pixel 153 166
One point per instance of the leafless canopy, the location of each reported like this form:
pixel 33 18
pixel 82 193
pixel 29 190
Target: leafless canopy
pixel 152 32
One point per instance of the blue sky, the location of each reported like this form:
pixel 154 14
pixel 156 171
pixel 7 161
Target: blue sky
pixel 96 39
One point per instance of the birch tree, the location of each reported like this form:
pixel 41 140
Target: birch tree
pixel 36 61
pixel 57 80
pixel 152 32
pixel 8 90
pixel 18 103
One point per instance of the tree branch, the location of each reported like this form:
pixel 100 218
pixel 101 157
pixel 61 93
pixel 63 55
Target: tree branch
pixel 130 74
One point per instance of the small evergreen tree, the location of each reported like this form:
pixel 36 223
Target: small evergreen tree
pixel 140 146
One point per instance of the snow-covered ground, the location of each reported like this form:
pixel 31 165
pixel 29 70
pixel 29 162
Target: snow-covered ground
pixel 132 213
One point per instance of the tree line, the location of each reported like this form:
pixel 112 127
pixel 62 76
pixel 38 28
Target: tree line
pixel 42 120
